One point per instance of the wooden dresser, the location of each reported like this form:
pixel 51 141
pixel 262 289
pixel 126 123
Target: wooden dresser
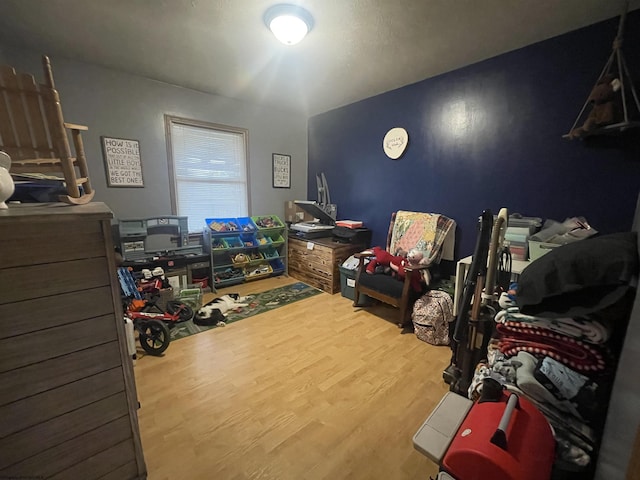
pixel 316 261
pixel 67 394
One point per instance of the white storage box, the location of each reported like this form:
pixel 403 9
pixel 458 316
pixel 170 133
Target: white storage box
pixel 538 249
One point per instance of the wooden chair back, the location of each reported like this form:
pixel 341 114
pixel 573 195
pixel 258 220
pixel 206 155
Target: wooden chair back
pixel 34 134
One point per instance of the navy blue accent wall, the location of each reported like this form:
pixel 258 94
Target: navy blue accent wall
pixel 487 136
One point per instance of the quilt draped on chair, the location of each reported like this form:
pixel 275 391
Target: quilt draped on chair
pixel 426 232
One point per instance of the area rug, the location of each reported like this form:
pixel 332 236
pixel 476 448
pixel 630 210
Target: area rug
pixel 258 303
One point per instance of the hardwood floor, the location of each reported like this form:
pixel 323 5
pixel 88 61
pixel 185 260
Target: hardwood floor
pixel 312 390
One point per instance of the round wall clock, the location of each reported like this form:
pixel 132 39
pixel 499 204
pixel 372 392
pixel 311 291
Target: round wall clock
pixel 395 142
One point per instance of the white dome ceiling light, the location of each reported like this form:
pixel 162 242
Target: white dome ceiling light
pixel 289 23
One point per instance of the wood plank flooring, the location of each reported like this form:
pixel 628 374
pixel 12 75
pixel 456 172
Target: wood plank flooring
pixel 312 390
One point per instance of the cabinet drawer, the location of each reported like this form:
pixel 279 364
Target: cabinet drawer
pixel 34 440
pixel 72 452
pixel 315 279
pixel 16 352
pixel 42 376
pixel 23 283
pixel 312 263
pixel 320 268
pixel 42 407
pixel 37 243
pixel 46 312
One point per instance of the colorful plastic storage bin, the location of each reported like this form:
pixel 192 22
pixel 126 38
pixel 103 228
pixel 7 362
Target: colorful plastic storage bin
pixel 221 225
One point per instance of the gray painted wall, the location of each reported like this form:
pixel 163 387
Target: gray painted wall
pixel 117 104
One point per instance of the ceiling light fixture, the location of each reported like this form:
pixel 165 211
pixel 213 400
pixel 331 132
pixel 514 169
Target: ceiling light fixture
pixel 289 23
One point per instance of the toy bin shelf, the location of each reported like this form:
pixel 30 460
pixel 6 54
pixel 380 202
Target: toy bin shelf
pixel 223 277
pixel 255 272
pixel 223 225
pixel 239 260
pixel 270 252
pixel 255 257
pixel 249 240
pixel 233 242
pixel 268 224
pixel 261 239
pixel 277 265
pixel 276 240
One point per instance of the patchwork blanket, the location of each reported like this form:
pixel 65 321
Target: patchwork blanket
pixel 426 232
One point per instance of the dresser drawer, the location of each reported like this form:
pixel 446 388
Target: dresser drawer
pixel 34 244
pixel 34 281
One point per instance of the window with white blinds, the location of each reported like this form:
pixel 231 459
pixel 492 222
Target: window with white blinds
pixel 208 170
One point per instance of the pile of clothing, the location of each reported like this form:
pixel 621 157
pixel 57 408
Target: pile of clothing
pixel 558 337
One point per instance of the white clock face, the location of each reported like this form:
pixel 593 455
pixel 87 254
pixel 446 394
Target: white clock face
pixel 395 142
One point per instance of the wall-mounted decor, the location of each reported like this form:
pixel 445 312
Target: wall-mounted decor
pixel 613 104
pixel 281 171
pixel 122 162
pixel 395 142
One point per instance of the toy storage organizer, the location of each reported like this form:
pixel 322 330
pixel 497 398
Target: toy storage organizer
pixel 245 248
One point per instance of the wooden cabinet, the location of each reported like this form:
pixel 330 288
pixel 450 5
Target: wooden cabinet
pixel 245 248
pixel 67 394
pixel 316 261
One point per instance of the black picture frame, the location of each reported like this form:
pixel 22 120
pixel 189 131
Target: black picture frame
pixel 281 170
pixel 122 162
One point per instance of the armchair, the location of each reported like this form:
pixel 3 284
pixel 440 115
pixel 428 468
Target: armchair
pixel 34 134
pixel 431 234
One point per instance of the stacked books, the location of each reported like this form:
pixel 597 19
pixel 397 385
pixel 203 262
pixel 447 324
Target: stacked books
pixel 518 241
pixel 349 223
pixel 517 235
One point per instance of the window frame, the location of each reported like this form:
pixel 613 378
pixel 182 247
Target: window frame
pixel 169 120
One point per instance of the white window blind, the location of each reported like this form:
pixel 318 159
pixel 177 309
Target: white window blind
pixel 209 171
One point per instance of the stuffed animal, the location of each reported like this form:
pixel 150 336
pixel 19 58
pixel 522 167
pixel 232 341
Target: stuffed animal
pixel 396 264
pixel 604 110
pixel 414 257
pixel 383 259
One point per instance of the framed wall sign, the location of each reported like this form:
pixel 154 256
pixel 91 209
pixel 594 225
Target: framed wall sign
pixel 281 170
pixel 122 162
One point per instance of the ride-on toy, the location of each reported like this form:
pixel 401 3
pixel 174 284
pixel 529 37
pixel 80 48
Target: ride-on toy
pixel 150 321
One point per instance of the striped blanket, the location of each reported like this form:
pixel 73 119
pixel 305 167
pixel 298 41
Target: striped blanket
pixel 515 337
pixel 590 331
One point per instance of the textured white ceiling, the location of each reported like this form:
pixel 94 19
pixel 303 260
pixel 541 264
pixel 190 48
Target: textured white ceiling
pixel 358 48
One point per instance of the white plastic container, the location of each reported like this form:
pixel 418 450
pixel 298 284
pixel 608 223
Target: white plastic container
pixel 131 339
pixel 6 182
